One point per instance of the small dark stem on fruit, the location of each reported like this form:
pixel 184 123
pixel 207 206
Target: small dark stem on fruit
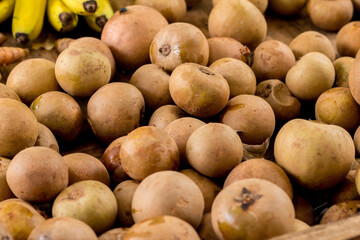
pixel 22 38
pixel 100 21
pixel 206 71
pixel 90 6
pixel 123 10
pixel 65 18
pixel 165 50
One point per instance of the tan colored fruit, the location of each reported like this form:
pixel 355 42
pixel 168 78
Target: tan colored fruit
pixel 7 92
pixel 263 169
pixel 303 210
pixel 342 67
pixel 37 174
pixel 337 106
pixel 31 78
pixel 312 41
pixel 115 110
pixel 357 54
pixel 180 130
pixel 129 44
pixel 5 191
pixel 168 193
pixel 205 230
pixel 357 140
pixel 172 10
pixel 277 94
pixel 224 47
pixel 356 5
pixel 179 43
pixel 287 7
pixel 161 228
pixel 340 211
pixel 147 150
pixel 315 155
pixel 124 193
pixel 198 90
pixel 272 60
pixel 98 45
pixel 354 80
pixel 19 218
pixel 330 15
pixel 83 166
pixel 260 4
pixel 85 201
pixel 118 4
pixel 46 138
pixel 240 77
pixel 60 113
pixel 166 114
pixel 208 188
pixel 214 149
pixel 345 190
pixel 234 209
pixel 62 228
pixel 238 19
pixel 113 234
pixel 348 39
pixel 18 127
pixel 153 83
pixel 312 75
pixel 300 225
pixel 251 116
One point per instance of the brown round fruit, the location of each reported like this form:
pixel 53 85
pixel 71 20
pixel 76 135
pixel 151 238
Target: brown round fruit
pixel 129 32
pixel 46 138
pixel 303 210
pixel 60 113
pixel 251 116
pixel 287 7
pixel 115 110
pixel 179 43
pixel 198 90
pixel 206 230
pixel 348 39
pixel 214 149
pixel 166 114
pixel 234 209
pixel 262 169
pixel 168 193
pixel 18 127
pixel 340 211
pixel 147 150
pixel 7 92
pixel 354 80
pixel 113 234
pixel 345 190
pixel 5 191
pixel 342 67
pixel 37 174
pixel 172 10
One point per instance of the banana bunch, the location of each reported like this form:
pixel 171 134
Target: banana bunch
pixel 6 9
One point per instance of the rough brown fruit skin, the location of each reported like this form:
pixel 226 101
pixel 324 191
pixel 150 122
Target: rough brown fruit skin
pixel 6 92
pixel 287 7
pixel 312 41
pixel 18 127
pixel 173 10
pixel 161 228
pixel 316 156
pixel 168 193
pixel 272 60
pixel 113 234
pixel 60 113
pixel 62 228
pixel 180 130
pixel 238 19
pixel 179 43
pixel 357 140
pixel 251 116
pixel 124 193
pixel 240 77
pixel 46 138
pixel 83 166
pixel 303 210
pixel 263 169
pixel 147 150
pixel 340 211
pixel 129 32
pixel 277 94
pixel 153 83
pixel 222 47
pixel 115 110
pixel 348 39
pixel 233 211
pixel 205 230
pixel 208 188
pixel 345 190
pixel 31 78
pixel 166 114
pixel 337 106
pixel 82 201
pixel 198 90
pixel 37 174
pixel 354 80
pixel 19 218
pixel 330 15
pixel 342 67
pixel 214 149
pixel 5 191
pixel 81 71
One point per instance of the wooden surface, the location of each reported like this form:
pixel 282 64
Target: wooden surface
pixel 283 29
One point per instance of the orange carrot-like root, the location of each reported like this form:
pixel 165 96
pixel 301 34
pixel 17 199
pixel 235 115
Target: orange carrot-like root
pixel 63 43
pixel 10 55
pixel 2 38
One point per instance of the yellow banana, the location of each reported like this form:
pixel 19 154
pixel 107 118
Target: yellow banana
pixel 82 7
pixel 100 17
pixel 28 19
pixel 6 9
pixel 60 16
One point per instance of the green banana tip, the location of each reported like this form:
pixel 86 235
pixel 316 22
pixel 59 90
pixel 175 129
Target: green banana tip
pixel 22 38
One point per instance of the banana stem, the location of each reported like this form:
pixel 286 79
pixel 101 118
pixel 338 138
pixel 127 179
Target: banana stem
pixel 90 6
pixel 22 38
